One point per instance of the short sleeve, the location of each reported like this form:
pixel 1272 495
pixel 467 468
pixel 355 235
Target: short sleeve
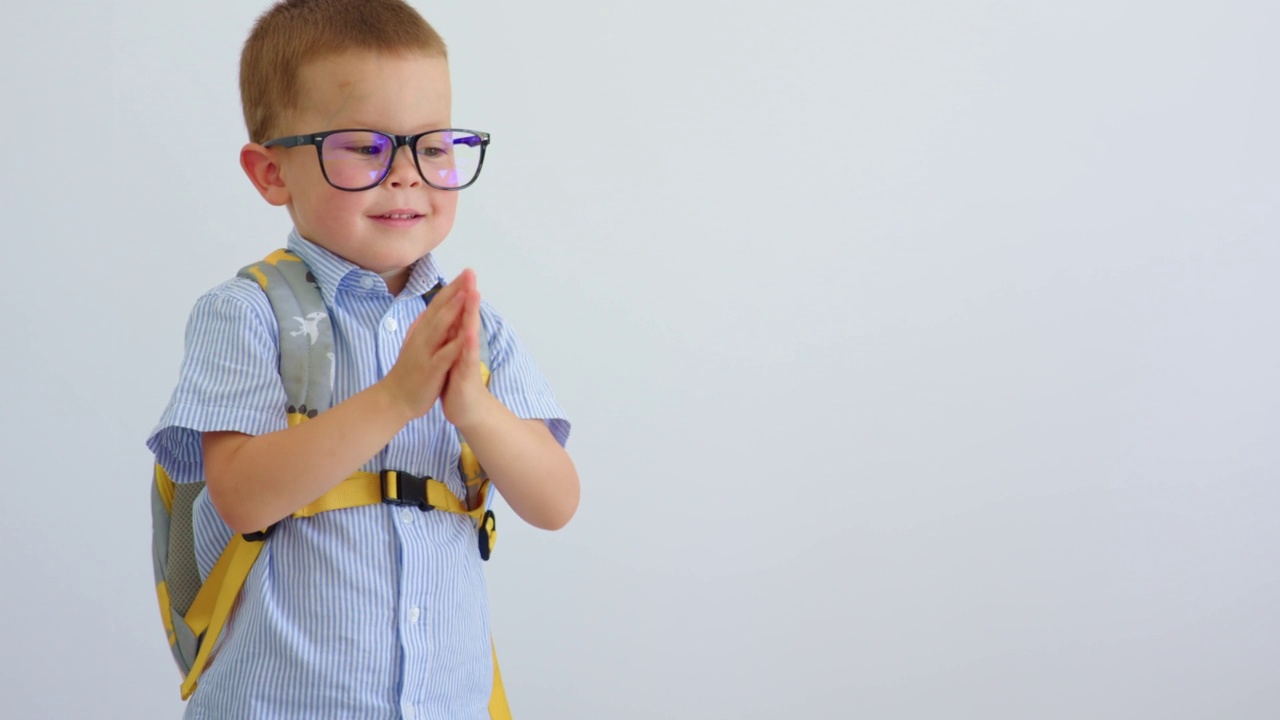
pixel 514 377
pixel 229 381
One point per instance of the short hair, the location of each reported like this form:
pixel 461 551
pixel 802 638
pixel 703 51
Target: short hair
pixel 296 32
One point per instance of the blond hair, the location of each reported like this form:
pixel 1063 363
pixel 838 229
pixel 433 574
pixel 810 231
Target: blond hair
pixel 296 32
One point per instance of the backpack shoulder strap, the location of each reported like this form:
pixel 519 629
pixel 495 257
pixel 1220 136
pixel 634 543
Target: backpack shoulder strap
pixel 306 337
pixel 306 368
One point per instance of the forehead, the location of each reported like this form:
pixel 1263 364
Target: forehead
pixel 397 93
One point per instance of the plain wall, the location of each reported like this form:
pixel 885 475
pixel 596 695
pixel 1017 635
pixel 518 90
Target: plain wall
pixel 922 355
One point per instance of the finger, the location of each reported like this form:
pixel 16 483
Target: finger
pixel 449 315
pixel 444 358
pixel 471 321
pixel 444 301
pixel 440 304
pixel 465 278
pixel 439 322
pixel 468 332
pixel 459 285
pixel 447 301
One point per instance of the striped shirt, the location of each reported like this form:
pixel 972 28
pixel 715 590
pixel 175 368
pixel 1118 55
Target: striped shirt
pixel 371 612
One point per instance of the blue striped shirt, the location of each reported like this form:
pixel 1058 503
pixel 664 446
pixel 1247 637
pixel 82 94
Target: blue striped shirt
pixel 372 612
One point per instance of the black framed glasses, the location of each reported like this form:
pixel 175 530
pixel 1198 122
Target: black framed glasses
pixel 356 159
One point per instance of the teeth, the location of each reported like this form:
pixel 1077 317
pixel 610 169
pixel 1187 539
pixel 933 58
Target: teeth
pixel 399 217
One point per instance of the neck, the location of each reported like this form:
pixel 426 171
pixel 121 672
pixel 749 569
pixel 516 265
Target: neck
pixel 396 279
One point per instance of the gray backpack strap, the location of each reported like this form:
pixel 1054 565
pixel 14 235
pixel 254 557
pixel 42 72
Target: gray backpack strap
pixel 306 361
pixel 306 337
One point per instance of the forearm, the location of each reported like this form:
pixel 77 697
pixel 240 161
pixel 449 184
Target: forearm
pixel 535 475
pixel 255 481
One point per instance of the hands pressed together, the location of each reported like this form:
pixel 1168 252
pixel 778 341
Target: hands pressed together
pixel 255 481
pixel 440 360
pixel 440 357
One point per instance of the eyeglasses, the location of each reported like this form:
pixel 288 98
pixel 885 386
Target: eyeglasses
pixel 355 160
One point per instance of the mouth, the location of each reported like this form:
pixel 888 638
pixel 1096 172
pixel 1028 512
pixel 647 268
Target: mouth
pixel 398 215
pixel 398 218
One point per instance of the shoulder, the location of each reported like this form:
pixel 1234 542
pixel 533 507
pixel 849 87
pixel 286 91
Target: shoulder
pixel 238 301
pixel 508 357
pixel 516 379
pixel 499 333
pixel 490 317
pixel 239 291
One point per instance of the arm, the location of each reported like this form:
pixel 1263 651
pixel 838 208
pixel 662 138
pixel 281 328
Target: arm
pixel 522 458
pixel 526 464
pixel 254 481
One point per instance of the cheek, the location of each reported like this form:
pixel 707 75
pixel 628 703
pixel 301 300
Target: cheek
pixel 444 206
pixel 335 205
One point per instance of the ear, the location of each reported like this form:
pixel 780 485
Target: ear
pixel 259 164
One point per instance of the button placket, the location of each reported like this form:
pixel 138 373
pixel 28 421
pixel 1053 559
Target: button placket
pixel 388 340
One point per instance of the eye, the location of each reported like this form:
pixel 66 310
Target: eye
pixel 431 151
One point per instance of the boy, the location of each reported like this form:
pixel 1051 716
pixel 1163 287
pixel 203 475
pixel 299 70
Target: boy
pixel 375 611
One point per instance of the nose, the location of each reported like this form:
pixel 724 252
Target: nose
pixel 403 172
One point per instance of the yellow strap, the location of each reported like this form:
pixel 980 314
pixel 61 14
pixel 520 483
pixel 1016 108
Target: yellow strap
pixel 212 605
pixel 165 485
pixel 498 707
pixel 362 488
pixel 200 613
pixel 227 578
pixel 365 488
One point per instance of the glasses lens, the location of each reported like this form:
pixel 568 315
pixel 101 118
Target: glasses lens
pixel 449 158
pixel 356 160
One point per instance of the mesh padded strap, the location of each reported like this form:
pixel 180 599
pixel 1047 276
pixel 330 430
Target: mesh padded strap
pixel 181 575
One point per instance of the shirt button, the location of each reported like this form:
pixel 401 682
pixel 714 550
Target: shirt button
pixel 406 515
pixel 408 713
pixel 366 282
pixel 391 325
pixel 414 614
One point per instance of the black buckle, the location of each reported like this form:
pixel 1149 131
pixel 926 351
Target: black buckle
pixel 401 488
pixel 260 535
pixel 488 528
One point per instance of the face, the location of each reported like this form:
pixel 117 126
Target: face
pixel 386 228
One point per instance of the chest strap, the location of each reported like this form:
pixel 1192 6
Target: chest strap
pixel 394 488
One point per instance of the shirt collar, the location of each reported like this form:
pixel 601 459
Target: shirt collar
pixel 334 273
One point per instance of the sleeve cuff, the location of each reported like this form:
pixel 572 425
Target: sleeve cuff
pixel 176 438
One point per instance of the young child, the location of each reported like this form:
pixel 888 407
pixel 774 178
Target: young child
pixel 377 611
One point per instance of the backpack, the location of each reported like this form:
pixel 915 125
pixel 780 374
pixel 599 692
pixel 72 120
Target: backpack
pixel 194 611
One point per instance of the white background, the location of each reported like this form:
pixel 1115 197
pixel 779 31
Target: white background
pixel 922 355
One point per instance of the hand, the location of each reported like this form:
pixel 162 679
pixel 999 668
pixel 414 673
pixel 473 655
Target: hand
pixel 431 347
pixel 465 394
